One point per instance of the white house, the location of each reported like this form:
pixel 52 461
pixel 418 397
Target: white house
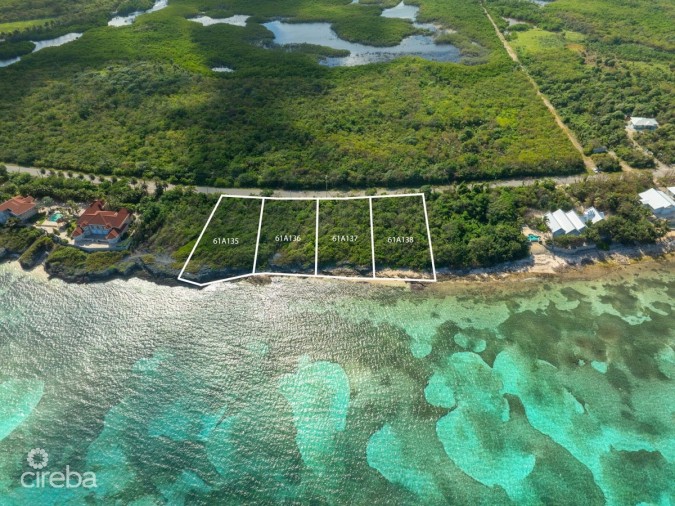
pixel 638 124
pixel 21 208
pixel 662 205
pixel 671 190
pixel 564 223
pixel 593 215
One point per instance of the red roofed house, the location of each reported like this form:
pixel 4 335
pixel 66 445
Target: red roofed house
pixel 97 225
pixel 20 208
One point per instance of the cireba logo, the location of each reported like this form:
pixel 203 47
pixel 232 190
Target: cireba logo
pixel 38 459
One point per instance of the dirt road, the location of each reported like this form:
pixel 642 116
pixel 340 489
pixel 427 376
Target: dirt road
pixel 588 162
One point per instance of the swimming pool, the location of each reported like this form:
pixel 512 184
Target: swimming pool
pixel 55 217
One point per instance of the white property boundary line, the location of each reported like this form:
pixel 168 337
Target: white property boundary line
pixel 431 247
pixel 316 241
pixel 316 245
pixel 372 235
pixel 194 248
pixel 257 241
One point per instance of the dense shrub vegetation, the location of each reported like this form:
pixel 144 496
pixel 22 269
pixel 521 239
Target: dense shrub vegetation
pixel 40 19
pixel 229 240
pixel 471 225
pixel 141 101
pixel 400 234
pixel 69 262
pixel 344 235
pixel 600 62
pixel 476 226
pixel 16 240
pixel 31 257
pixel 287 237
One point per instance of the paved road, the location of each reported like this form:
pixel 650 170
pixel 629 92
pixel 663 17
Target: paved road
pixel 33 171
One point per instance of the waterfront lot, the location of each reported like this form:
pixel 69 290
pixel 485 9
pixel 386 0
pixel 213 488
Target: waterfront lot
pixel 361 238
pixel 344 236
pixel 401 237
pixel 287 236
pixel 229 241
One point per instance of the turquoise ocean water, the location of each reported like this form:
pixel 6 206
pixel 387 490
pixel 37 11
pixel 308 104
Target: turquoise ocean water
pixel 315 392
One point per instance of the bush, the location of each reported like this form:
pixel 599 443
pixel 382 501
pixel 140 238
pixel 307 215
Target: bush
pixel 9 50
pixel 635 158
pixel 68 261
pixel 17 239
pixel 606 163
pixel 32 255
pixel 568 241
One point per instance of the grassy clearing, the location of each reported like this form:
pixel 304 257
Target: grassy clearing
pixel 554 50
pixel 19 26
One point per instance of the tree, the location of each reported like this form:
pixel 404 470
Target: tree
pixel 606 163
pixel 159 189
pixel 47 202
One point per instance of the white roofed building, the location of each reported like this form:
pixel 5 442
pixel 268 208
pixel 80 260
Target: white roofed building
pixel 671 190
pixel 637 123
pixel 564 223
pixel 660 203
pixel 593 215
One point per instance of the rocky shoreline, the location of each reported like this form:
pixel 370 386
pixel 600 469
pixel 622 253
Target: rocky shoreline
pixel 541 263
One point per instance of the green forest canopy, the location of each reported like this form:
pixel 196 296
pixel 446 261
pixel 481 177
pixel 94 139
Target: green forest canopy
pixel 599 62
pixel 142 101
